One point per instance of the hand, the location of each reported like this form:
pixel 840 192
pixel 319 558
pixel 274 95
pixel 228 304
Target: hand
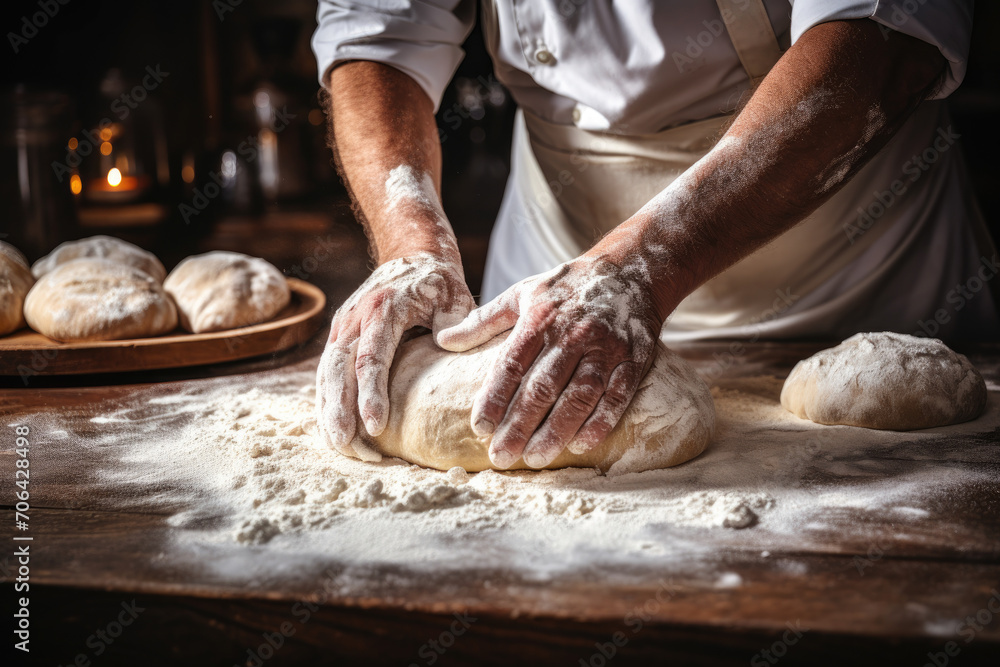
pixel 419 290
pixel 583 338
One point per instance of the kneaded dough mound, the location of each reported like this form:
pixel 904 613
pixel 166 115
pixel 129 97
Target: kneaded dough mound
pixel 101 247
pixel 886 381
pixel 226 290
pixel 671 418
pixel 98 299
pixel 15 281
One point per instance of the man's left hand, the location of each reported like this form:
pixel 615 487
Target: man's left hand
pixel 583 338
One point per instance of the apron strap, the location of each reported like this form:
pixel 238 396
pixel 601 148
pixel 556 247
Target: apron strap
pixel 751 33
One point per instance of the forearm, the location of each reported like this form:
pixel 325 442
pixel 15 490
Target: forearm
pixel 830 104
pixel 386 144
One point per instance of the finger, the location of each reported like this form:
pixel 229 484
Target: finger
pixel 575 405
pixel 538 392
pixel 482 324
pixel 616 399
pixel 376 349
pixel 503 378
pixel 336 396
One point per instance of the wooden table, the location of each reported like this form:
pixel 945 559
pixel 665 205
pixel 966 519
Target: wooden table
pixel 91 554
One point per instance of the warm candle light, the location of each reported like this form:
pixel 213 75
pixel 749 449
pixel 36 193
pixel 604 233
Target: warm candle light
pixel 114 177
pixel 106 148
pixel 75 184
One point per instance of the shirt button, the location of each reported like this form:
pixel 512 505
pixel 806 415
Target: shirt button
pixel 545 57
pixel 576 115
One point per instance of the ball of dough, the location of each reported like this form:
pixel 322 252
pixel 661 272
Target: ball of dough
pixel 15 281
pixel 886 381
pixel 669 421
pixel 226 290
pixel 101 247
pixel 98 299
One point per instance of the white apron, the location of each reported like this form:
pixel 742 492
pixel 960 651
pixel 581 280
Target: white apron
pixel 868 259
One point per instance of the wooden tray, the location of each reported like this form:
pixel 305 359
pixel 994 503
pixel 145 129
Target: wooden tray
pixel 26 352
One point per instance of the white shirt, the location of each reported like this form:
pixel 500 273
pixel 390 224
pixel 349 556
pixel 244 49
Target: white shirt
pixel 635 67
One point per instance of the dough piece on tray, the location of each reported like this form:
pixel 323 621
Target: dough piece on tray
pixel 101 247
pixel 226 290
pixel 98 299
pixel 15 281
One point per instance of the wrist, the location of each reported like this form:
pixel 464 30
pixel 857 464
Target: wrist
pixel 442 247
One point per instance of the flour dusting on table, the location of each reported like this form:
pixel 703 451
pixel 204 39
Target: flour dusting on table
pixel 241 466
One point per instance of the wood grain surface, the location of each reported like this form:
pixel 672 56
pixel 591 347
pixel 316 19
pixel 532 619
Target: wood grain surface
pixel 95 549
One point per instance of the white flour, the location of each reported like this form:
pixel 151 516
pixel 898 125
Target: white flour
pixel 239 465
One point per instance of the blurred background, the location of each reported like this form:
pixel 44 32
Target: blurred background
pixel 196 124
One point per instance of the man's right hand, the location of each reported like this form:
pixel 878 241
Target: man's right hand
pixel 417 290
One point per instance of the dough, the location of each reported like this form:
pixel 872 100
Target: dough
pixel 104 247
pixel 886 381
pixel 670 420
pixel 98 299
pixel 15 281
pixel 226 290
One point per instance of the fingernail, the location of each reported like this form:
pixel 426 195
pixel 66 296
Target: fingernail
pixel 535 459
pixel 502 458
pixel 372 426
pixel 578 447
pixel 483 427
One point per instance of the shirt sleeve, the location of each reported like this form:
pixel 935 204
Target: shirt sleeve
pixel 947 24
pixel 419 37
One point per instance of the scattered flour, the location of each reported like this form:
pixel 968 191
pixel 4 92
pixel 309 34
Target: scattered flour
pixel 241 466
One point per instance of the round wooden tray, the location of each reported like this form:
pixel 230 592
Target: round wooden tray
pixel 28 353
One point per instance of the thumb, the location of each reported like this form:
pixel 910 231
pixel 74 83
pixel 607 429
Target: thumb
pixel 481 324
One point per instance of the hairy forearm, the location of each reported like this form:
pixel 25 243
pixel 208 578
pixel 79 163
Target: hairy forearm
pixel 827 107
pixel 387 149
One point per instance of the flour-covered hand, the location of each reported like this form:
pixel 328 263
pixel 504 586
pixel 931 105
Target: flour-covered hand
pixel 583 338
pixel 419 290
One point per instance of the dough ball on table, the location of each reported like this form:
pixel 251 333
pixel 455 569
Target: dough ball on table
pixel 101 247
pixel 886 381
pixel 15 281
pixel 670 420
pixel 98 299
pixel 226 290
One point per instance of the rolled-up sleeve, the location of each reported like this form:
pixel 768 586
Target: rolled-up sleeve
pixel 947 24
pixel 419 37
